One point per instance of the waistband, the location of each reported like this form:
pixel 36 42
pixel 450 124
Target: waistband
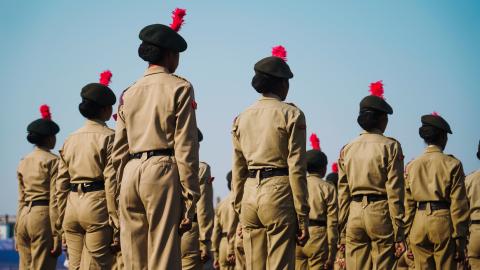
pixel 475 222
pixel 160 152
pixel 370 197
pixel 39 203
pixel 318 223
pixel 88 187
pixel 434 205
pixel 268 172
pixel 224 234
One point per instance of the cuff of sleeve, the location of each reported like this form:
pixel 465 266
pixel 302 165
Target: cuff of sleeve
pixel 303 222
pixel 399 235
pixel 343 240
pixel 205 245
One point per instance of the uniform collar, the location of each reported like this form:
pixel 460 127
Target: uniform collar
pixel 155 70
pixel 270 96
pixel 39 148
pixel 374 131
pixel 95 122
pixel 433 148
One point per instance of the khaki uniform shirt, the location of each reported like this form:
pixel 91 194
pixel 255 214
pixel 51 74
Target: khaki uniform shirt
pixel 205 211
pixel 435 176
pixel 472 184
pixel 86 156
pixel 322 198
pixel 37 173
pixel 271 134
pixel 158 112
pixel 372 164
pixel 225 225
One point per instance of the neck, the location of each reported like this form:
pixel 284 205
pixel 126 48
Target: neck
pixel 271 95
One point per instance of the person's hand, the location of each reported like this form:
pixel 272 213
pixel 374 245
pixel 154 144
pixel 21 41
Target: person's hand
pixel 410 254
pixel 460 249
pixel 399 249
pixel 341 248
pixel 185 226
pixel 231 259
pixel 16 246
pixel 328 265
pixel 302 236
pixel 115 246
pixel 204 256
pixel 57 247
pixel 216 264
pixel 240 232
pixel 341 263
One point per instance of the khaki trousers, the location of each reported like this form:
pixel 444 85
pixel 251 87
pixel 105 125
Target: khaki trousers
pixel 369 236
pixel 474 246
pixel 431 241
pixel 240 263
pixel 190 247
pixel 87 231
pixel 35 239
pixel 269 224
pixel 150 212
pixel 118 262
pixel 223 256
pixel 315 253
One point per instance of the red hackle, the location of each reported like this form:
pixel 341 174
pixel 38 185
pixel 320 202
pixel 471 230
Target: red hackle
pixel 177 17
pixel 376 89
pixel 45 112
pixel 335 167
pixel 435 114
pixel 279 51
pixel 315 141
pixel 106 77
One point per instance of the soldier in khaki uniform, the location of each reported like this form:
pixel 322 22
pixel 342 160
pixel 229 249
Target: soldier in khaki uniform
pixel 321 248
pixel 472 184
pixel 224 232
pixel 156 154
pixel 269 167
pixel 437 207
pixel 35 238
pixel 86 185
pixel 196 243
pixel 371 190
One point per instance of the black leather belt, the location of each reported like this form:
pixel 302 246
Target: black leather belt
pixel 435 205
pixel 39 203
pixel 268 172
pixel 161 152
pixel 224 234
pixel 370 198
pixel 88 187
pixel 475 222
pixel 195 218
pixel 318 223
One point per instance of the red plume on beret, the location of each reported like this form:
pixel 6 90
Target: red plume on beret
pixel 105 77
pixel 335 167
pixel 435 114
pixel 45 112
pixel 279 51
pixel 177 17
pixel 376 89
pixel 315 141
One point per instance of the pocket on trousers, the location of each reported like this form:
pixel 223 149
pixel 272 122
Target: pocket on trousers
pixel 440 226
pixel 276 202
pixel 379 221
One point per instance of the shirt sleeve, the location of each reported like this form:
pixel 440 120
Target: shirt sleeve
pixel 332 223
pixel 239 169
pixel 297 166
pixel 410 204
pixel 53 204
pixel 459 203
pixel 216 234
pixel 344 197
pixel 21 196
pixel 111 187
pixel 186 148
pixel 120 149
pixel 395 187
pixel 61 192
pixel 205 212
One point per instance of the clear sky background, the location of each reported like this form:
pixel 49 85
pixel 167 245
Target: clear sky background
pixel 426 53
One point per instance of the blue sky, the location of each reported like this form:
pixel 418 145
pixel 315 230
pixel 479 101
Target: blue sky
pixel 426 53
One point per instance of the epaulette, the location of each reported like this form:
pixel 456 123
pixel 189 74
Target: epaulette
pixel 291 104
pixel 181 78
pixel 393 139
pixel 452 156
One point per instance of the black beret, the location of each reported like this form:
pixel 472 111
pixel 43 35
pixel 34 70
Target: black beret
pixel 43 127
pixel 316 159
pixel 332 177
pixel 376 103
pixel 200 135
pixel 478 152
pixel 163 36
pixel 274 66
pixel 436 121
pixel 229 176
pixel 98 93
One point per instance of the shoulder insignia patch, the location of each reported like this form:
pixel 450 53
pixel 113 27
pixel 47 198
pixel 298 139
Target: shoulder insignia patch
pixel 194 104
